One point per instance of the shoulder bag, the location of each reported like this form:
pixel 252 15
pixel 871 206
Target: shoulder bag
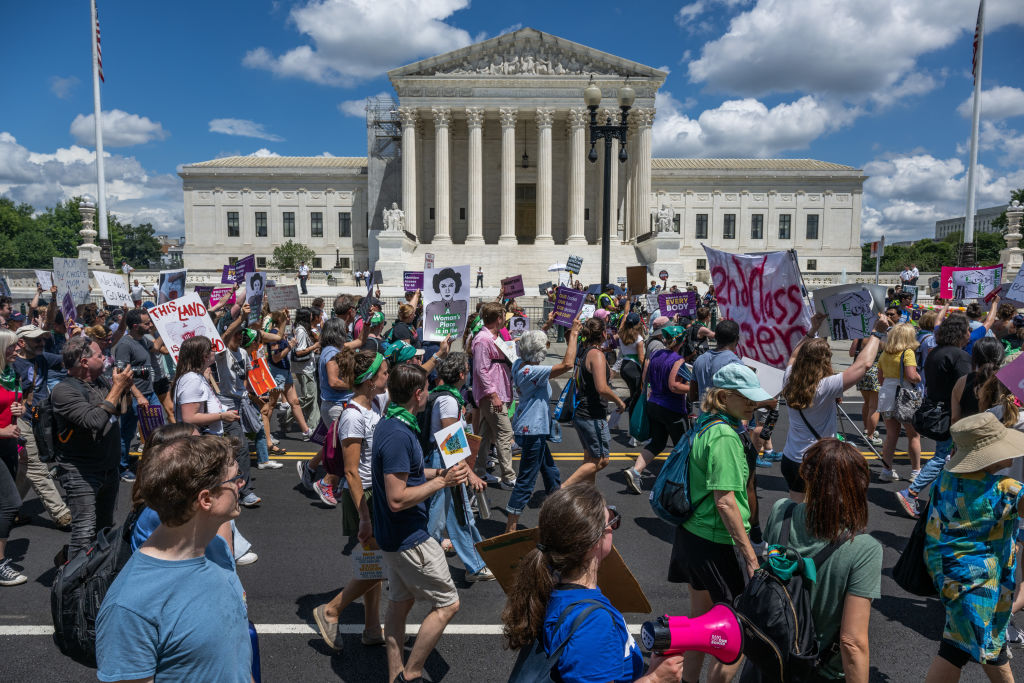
pixel 908 400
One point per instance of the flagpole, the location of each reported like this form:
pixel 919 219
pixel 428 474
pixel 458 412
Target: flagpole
pixel 975 116
pixel 101 183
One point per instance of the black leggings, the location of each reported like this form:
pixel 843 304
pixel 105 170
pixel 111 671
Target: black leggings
pixel 10 501
pixel 632 374
pixel 664 424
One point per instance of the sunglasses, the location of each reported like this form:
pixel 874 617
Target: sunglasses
pixel 233 481
pixel 616 519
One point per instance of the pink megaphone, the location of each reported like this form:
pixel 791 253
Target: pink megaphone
pixel 717 633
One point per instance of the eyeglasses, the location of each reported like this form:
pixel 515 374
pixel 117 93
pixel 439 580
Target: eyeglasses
pixel 233 481
pixel 616 519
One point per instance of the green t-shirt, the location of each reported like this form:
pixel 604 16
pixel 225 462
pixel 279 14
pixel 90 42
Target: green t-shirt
pixel 717 463
pixel 853 569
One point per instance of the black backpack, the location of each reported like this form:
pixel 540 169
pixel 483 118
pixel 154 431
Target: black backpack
pixel 692 345
pixel 44 425
pixel 534 665
pixel 779 638
pixel 423 419
pixel 80 586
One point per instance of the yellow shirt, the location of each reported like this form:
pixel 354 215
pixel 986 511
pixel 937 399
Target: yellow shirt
pixel 889 363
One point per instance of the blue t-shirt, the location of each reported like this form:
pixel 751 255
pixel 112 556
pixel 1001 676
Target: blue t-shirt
pixel 397 450
pixel 280 346
pixel 533 412
pixel 600 650
pixel 181 620
pixel 35 374
pixel 326 392
pixel 705 367
pixel 976 334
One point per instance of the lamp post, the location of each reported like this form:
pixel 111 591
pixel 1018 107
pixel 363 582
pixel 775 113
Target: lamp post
pixel 608 131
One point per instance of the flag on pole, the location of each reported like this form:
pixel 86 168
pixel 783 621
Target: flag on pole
pixel 99 52
pixel 977 39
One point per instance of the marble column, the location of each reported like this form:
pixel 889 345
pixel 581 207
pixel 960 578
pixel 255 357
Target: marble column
pixel 442 180
pixel 475 212
pixel 508 174
pixel 409 118
pixel 577 122
pixel 642 170
pixel 545 116
pixel 628 204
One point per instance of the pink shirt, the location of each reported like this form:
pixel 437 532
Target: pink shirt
pixel 490 369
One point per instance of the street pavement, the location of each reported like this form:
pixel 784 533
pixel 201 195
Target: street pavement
pixel 304 560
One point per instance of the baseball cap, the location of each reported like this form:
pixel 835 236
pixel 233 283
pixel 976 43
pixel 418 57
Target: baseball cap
pixel 148 305
pixel 672 331
pixel 249 337
pixel 1018 320
pixel 401 351
pixel 739 377
pixel 632 319
pixel 377 318
pixel 31 332
pixel 16 317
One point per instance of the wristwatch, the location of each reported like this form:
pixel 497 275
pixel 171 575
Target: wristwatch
pixel 880 335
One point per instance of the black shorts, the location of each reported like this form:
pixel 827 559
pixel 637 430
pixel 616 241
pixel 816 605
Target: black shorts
pixel 161 386
pixel 707 566
pixel 791 472
pixel 958 658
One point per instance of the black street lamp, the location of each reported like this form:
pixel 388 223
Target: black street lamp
pixel 609 131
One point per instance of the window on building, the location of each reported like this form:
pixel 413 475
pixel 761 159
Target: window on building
pixel 344 262
pixel 812 264
pixel 757 226
pixel 676 222
pixel 462 213
pixel 785 221
pixel 812 226
pixel 586 214
pixel 261 223
pixel 729 226
pixel 344 224
pixel 702 264
pixel 318 262
pixel 261 261
pixel 232 260
pixel 431 213
pixel 316 224
pixel 702 226
pixel 233 228
pixel 289 224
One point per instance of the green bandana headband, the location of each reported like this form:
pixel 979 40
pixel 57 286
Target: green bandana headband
pixel 478 325
pixel 372 370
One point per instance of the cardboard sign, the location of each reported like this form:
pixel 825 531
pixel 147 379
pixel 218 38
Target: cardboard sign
pixel 512 287
pixel 768 377
pixel 150 418
pixel 568 303
pixel 260 378
pixel 5 289
pixel 412 280
pixel 171 285
pixel 45 279
pixel 850 314
pixel 281 297
pixel 574 264
pixel 71 275
pixel 446 296
pixel 969 283
pixel 678 303
pixel 115 289
pixel 67 308
pixel 503 553
pixel 543 287
pixel 587 312
pixel 182 319
pixel 518 325
pixel 255 290
pixel 636 280
pixel 453 444
pixel 368 563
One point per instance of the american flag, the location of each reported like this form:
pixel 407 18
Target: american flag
pixel 99 52
pixel 977 39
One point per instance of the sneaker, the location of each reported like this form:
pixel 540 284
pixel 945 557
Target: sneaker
pixel 508 485
pixel 305 474
pixel 326 492
pixel 482 575
pixel 370 638
pixel 270 465
pixel 9 576
pixel 250 500
pixel 772 456
pixel 875 439
pixel 762 461
pixel 248 558
pixel 491 464
pixel 489 478
pixel 633 480
pixel 307 434
pixel 274 441
pixel 63 522
pixel 909 502
pixel 1014 636
pixel 888 475
pixel 632 442
pixel 328 631
pixel 128 476
pixel 913 475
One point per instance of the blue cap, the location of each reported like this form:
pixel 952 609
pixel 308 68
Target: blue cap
pixel 739 377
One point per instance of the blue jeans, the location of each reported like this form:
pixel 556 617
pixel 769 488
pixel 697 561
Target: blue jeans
pixel 129 425
pixel 536 457
pixel 262 451
pixel 933 468
pixel 442 515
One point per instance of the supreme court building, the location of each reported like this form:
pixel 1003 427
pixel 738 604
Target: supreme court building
pixel 486 150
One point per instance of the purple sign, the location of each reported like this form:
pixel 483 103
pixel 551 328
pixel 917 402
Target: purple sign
pixel 242 267
pixel 150 417
pixel 568 303
pixel 678 303
pixel 512 287
pixel 227 276
pixel 67 308
pixel 412 280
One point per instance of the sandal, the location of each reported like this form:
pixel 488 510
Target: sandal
pixel 277 450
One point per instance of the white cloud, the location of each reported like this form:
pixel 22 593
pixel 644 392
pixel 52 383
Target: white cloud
pixel 264 152
pixel 62 87
pixel 997 103
pixel 687 13
pixel 120 129
pixel 357 108
pixel 243 128
pixel 355 40
pixel 510 29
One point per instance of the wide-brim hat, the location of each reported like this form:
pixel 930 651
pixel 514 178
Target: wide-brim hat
pixel 982 441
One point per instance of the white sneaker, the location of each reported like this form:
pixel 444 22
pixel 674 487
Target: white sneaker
pixel 888 475
pixel 270 465
pixel 913 475
pixel 875 439
pixel 509 485
pixel 248 558
pixel 482 575
pixel 632 442
pixel 307 434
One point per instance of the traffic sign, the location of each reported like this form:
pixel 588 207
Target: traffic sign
pixel 663 275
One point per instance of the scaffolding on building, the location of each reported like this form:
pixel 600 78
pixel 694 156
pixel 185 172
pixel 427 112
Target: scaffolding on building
pixel 385 126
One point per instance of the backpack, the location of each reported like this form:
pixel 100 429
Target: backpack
pixel 80 586
pixel 44 424
pixel 424 420
pixel 670 496
pixel 692 345
pixel 779 638
pixel 534 665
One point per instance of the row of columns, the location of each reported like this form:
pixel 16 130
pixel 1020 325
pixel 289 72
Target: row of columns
pixel 638 178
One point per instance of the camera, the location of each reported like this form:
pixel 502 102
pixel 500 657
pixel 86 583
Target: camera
pixel 137 373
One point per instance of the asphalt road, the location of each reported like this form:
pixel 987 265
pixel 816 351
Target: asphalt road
pixel 303 561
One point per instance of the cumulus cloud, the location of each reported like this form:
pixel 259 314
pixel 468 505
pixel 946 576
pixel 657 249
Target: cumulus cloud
pixel 355 40
pixel 243 128
pixel 997 103
pixel 357 108
pixel 263 152
pixel 62 87
pixel 120 129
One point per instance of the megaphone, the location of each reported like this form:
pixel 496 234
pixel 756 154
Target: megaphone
pixel 717 633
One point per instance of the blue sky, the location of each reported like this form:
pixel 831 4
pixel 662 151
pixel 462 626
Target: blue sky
pixel 882 85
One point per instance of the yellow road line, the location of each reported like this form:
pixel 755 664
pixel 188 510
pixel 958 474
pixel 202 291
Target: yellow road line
pixel 306 455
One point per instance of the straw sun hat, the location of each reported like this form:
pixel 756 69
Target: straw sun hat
pixel 981 441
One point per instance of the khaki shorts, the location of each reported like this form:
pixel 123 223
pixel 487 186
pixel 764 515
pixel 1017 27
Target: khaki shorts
pixel 420 573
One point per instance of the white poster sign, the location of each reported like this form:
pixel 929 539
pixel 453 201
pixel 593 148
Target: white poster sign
pixel 446 302
pixel 1015 291
pixel 453 444
pixel 171 285
pixel 71 275
pixel 115 289
pixel 877 298
pixel 184 318
pixel 45 279
pixel 850 314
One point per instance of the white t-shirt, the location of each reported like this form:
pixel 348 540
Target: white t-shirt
pixel 138 293
pixel 445 407
pixel 302 364
pixel 303 270
pixel 630 349
pixel 356 422
pixel 821 414
pixel 193 388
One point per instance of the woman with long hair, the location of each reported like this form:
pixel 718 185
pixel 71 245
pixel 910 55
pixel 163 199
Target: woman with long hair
pixel 630 362
pixel 303 361
pixel 986 359
pixel 811 389
pixel 897 369
pixel 573 537
pixel 11 408
pixel 868 387
pixel 367 373
pixel 278 358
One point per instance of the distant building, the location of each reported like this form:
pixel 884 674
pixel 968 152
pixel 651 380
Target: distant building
pixel 982 222
pixel 171 250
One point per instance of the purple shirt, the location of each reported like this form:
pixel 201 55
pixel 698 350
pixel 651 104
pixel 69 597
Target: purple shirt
pixel 490 369
pixel 658 374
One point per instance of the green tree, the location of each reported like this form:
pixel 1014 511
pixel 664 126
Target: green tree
pixel 61 225
pixel 288 255
pixel 136 244
pixel 1001 221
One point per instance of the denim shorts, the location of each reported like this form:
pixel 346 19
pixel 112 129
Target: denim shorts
pixel 594 435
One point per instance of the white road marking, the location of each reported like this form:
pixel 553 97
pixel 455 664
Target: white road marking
pixel 309 629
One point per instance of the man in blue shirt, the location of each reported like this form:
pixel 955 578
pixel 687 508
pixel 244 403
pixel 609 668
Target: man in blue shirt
pixel 414 563
pixel 727 338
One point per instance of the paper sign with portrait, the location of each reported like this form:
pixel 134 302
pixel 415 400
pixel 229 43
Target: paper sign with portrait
pixel 255 290
pixel 446 296
pixel 171 285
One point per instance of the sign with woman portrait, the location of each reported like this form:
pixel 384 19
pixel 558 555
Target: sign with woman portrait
pixel 255 289
pixel 171 285
pixel 446 302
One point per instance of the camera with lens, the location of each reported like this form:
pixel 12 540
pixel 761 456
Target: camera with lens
pixel 137 373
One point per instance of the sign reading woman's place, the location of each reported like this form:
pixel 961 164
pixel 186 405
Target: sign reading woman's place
pixel 446 302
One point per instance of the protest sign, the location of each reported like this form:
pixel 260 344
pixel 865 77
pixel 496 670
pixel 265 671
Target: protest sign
pixel 512 287
pixel 653 310
pixel 518 326
pixel 763 294
pixel 71 275
pixel 204 292
pixel 115 289
pixel 1012 377
pixel 281 297
pixel 621 280
pixel 5 289
pixel 574 264
pixel 850 314
pixel 1012 292
pixel 412 280
pixel 969 283
pixel 678 303
pixel 255 289
pixel 912 289
pixel 568 303
pixel 227 275
pixel 218 293
pixel 768 377
pixel 184 318
pixel 171 285
pixel 877 292
pixel 564 278
pixel 453 444
pixel 636 280
pixel 243 267
pixel 67 308
pixel 368 563
pixel 45 279
pixel 150 418
pixel 260 379
pixel 319 435
pixel 507 347
pixel 587 312
pixel 428 261
pixel 446 302
pixel 544 287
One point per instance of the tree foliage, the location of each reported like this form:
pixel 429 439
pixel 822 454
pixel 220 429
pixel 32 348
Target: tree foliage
pixel 1001 221
pixel 930 255
pixel 287 256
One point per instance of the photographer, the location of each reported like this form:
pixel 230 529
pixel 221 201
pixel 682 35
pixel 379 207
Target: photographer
pixel 87 435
